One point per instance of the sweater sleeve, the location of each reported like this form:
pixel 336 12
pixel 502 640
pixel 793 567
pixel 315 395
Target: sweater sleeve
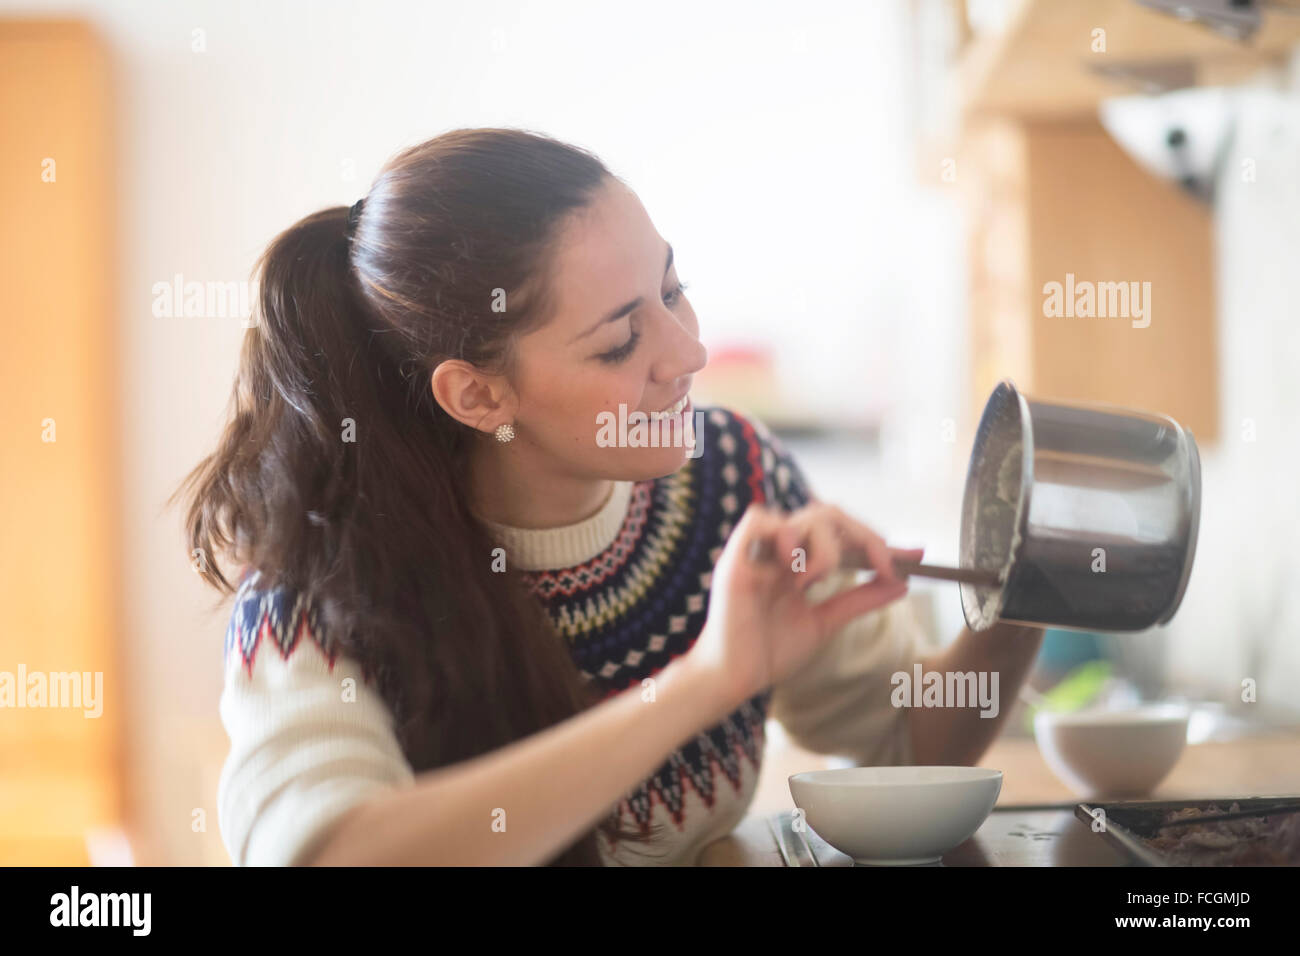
pixel 839 702
pixel 309 737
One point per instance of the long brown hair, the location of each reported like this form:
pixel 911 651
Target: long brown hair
pixel 377 531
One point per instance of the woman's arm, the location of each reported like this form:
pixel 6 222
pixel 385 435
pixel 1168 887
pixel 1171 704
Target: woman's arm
pixel 553 785
pixel 959 736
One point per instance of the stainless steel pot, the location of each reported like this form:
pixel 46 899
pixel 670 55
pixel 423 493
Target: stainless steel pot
pixel 1088 511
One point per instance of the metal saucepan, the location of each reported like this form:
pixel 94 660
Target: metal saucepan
pixel 1088 513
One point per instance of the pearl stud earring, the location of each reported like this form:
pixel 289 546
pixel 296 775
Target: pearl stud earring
pixel 505 433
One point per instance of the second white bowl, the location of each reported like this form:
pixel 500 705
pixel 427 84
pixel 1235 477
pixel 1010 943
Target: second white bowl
pixel 1119 753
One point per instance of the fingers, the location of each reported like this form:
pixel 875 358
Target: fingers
pixel 758 522
pixel 912 555
pixel 809 530
pixel 878 553
pixel 822 531
pixel 827 530
pixel 826 550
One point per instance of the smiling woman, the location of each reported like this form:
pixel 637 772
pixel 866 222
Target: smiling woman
pixel 491 651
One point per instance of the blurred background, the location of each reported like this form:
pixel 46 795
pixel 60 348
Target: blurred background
pixel 866 199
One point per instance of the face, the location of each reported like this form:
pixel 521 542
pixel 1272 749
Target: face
pixel 623 334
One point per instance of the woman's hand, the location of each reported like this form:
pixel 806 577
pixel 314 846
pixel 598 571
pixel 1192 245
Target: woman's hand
pixel 760 626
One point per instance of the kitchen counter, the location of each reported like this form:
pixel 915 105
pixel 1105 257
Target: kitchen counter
pixel 1033 823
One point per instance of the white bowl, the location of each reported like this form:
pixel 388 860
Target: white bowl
pixel 1112 753
pixel 896 816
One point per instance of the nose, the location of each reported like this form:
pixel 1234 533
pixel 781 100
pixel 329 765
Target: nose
pixel 681 354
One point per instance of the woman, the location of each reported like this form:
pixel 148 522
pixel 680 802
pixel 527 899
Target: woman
pixel 494 637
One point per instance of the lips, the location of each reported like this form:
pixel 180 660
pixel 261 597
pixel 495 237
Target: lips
pixel 672 410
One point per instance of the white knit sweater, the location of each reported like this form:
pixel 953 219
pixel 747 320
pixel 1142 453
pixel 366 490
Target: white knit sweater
pixel 303 752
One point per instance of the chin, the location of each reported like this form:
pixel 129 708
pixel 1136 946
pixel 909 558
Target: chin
pixel 659 462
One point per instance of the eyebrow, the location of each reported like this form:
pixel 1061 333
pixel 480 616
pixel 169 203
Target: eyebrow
pixel 627 307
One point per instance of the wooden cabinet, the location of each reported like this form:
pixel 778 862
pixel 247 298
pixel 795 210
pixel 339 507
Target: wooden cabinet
pixel 1091 280
pixel 60 769
pixel 1051 197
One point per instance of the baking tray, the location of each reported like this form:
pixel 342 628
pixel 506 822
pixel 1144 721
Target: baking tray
pixel 1128 822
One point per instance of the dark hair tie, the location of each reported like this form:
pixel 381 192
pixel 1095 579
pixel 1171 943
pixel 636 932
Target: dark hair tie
pixel 354 214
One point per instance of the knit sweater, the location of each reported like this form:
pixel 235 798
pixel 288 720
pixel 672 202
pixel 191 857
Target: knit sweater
pixel 628 589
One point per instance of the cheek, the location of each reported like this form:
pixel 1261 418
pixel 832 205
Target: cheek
pixel 567 403
pixel 615 384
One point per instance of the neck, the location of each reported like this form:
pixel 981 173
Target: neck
pixel 510 488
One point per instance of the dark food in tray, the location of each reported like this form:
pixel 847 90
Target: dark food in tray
pixel 1261 840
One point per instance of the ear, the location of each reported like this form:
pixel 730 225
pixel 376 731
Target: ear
pixel 472 396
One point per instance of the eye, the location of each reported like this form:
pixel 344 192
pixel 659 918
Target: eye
pixel 623 351
pixel 672 298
